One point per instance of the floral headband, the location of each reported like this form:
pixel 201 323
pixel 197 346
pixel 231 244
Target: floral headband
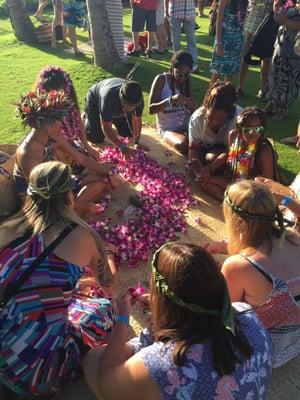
pixel 46 73
pixel 50 191
pixel 226 313
pixel 43 108
pixel 276 217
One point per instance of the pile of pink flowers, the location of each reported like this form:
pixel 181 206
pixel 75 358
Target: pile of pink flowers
pixel 165 195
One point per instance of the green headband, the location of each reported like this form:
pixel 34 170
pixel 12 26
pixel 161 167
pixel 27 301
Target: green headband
pixel 277 217
pixel 49 191
pixel 226 314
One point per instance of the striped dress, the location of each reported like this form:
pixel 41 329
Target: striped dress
pixel 45 328
pixel 280 314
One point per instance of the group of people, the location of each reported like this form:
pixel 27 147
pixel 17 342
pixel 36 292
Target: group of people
pixel 213 332
pixel 243 29
pixel 67 15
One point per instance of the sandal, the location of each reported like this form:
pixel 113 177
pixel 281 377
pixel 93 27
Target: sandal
pixel 262 96
pixel 292 140
pixel 280 115
pixel 79 54
pixel 148 53
pixel 133 53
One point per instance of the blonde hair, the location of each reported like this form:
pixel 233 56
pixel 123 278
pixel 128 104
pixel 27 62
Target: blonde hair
pixel 38 213
pixel 254 198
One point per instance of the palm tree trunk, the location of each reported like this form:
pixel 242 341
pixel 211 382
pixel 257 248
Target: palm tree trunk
pixel 21 23
pixel 105 50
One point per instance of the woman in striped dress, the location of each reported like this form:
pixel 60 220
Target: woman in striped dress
pixel 46 324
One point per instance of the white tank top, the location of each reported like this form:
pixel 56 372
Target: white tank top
pixel 172 117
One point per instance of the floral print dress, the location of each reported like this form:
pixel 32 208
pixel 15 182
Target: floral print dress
pixel 198 379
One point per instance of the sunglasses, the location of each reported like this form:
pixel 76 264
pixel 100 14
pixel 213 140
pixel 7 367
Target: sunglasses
pixel 181 74
pixel 259 130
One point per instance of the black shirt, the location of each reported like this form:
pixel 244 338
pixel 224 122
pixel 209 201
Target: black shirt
pixel 105 96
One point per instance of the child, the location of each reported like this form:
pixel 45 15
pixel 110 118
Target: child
pixel 250 155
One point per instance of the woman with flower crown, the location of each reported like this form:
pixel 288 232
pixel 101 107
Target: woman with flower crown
pixel 250 154
pixel 47 320
pixel 44 112
pixel 263 267
pixel 72 126
pixel 200 346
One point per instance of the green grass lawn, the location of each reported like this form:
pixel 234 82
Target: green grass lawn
pixel 20 64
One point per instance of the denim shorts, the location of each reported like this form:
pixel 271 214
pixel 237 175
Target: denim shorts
pixel 140 17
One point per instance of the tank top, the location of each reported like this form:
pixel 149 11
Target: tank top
pixel 175 117
pixel 280 314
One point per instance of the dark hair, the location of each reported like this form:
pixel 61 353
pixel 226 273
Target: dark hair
pixel 236 6
pixel 55 78
pixel 194 276
pixel 181 58
pixel 132 92
pixel 221 96
pixel 263 141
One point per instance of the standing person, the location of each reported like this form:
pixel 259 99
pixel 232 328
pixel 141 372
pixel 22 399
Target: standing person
pixel 74 13
pixel 284 79
pixel 227 50
pixel 200 347
pixel 182 12
pixel 114 101
pixel 263 267
pixel 257 11
pixel 46 327
pixel 143 12
pixel 161 33
pixel 201 5
pixel 172 100
pixel 39 12
pixel 210 125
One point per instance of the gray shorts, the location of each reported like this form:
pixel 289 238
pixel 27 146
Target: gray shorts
pixel 140 17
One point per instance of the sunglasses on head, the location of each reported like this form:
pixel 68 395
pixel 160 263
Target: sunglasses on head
pixel 259 130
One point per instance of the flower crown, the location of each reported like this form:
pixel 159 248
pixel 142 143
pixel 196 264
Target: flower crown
pixel 42 108
pixel 46 73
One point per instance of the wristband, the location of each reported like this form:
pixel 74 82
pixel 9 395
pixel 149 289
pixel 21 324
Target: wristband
pixel 122 147
pixel 123 318
pixel 286 201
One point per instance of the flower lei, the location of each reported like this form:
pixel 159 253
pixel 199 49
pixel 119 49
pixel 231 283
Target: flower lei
pixel 165 196
pixel 241 158
pixel 43 108
pixel 71 124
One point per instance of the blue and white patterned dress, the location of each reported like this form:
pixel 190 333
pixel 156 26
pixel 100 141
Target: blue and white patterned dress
pixel 198 379
pixel 232 41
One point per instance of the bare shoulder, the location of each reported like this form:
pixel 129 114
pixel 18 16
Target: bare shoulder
pixel 235 264
pixel 82 236
pixel 129 380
